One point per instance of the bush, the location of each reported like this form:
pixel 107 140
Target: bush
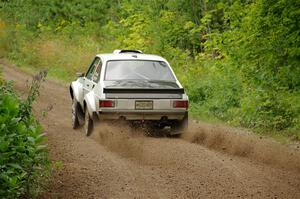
pixel 24 162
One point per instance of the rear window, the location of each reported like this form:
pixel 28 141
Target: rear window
pixel 138 70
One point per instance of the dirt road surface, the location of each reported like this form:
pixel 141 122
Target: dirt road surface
pixel 208 162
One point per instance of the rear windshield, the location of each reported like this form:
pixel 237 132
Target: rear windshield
pixel 138 70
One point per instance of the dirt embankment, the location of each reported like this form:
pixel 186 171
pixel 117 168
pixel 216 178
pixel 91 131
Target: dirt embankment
pixel 115 162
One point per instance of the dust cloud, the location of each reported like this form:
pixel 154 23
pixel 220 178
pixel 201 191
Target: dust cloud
pixel 120 138
pixel 244 144
pixel 134 144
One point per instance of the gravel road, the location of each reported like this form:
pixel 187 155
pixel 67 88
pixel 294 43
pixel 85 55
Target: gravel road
pixel 209 161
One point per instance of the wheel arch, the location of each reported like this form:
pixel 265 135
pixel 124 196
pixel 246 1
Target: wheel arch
pixel 76 91
pixel 89 103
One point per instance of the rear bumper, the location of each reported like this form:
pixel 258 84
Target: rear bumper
pixel 142 114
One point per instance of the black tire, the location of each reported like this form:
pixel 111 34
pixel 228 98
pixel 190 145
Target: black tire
pixel 75 114
pixel 88 124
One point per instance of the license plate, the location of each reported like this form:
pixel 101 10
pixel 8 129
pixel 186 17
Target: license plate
pixel 144 105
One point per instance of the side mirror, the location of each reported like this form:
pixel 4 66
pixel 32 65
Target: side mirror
pixel 80 74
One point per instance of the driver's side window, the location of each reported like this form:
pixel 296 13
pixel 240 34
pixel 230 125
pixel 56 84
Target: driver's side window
pixel 97 72
pixel 89 74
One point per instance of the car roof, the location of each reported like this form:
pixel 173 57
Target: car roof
pixel 130 56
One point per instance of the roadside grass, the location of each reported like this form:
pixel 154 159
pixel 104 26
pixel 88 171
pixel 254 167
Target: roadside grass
pixel 61 58
pixel 198 113
pixel 60 55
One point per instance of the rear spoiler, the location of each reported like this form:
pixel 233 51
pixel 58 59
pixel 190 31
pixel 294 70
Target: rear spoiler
pixel 144 90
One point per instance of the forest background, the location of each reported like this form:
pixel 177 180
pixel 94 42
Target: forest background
pixel 238 59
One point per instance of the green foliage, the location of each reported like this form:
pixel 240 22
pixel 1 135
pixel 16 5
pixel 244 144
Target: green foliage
pixel 238 59
pixel 1 78
pixel 23 157
pixel 58 14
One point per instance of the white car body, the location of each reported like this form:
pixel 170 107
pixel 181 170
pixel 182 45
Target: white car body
pixel 131 102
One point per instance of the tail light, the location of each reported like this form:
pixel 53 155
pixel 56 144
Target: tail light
pixel 181 104
pixel 106 103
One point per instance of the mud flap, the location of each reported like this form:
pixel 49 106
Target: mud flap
pixel 181 126
pixel 95 117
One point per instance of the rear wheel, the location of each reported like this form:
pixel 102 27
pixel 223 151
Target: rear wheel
pixel 75 114
pixel 88 124
pixel 180 127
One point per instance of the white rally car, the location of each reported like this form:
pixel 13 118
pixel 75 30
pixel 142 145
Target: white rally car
pixel 132 86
